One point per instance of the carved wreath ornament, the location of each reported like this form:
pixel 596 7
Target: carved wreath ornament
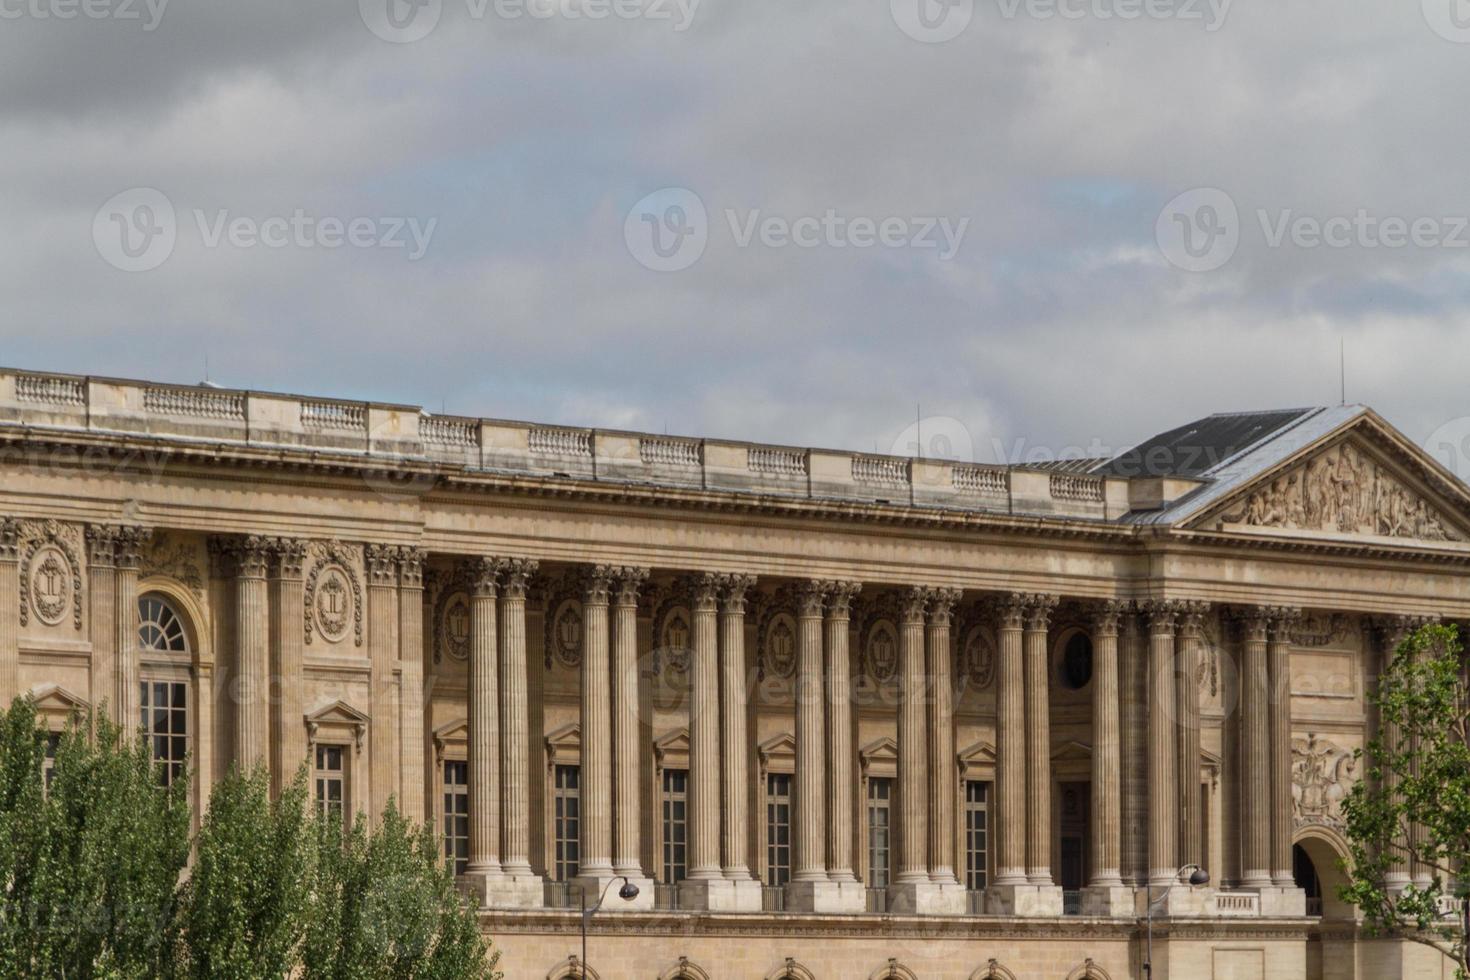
pixel 50 577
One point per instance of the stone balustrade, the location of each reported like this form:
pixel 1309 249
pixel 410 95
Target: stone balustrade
pixel 375 431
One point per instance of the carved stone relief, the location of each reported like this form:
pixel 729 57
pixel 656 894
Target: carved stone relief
pixel 778 651
pixel 1322 773
pixel 1321 630
pixel 978 657
pixel 168 557
pixel 1341 489
pixel 50 573
pixel 880 652
pixel 451 614
pixel 333 592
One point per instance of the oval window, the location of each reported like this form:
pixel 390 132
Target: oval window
pixel 1077 661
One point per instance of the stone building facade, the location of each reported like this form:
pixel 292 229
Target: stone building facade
pixel 835 715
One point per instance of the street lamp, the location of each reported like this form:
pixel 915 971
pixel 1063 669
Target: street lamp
pixel 1197 876
pixel 627 893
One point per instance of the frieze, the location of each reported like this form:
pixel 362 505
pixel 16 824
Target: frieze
pixel 50 573
pixel 1322 773
pixel 1342 490
pixel 332 594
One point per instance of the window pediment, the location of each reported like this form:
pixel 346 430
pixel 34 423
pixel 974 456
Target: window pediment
pixel 337 721
pixel 58 706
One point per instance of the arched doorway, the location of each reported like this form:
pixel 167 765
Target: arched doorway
pixel 1317 858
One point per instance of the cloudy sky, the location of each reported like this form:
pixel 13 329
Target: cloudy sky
pixel 1054 223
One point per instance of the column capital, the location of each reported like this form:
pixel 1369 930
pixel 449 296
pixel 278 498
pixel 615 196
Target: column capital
pixel 1107 614
pixel 484 575
pixel 736 585
pixel 101 544
pixel 382 565
pixel 515 576
pixel 1253 622
pixel 839 598
pixel 913 602
pixel 10 539
pixel 704 591
pixel 1391 630
pixel 941 606
pixel 411 567
pixel 630 580
pixel 1283 619
pixel 1162 614
pixel 1192 617
pixel 597 582
pixel 811 598
pixel 1009 610
pixel 1039 607
pixel 288 557
pixel 132 537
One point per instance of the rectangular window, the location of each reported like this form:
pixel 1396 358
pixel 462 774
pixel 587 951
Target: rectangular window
pixel 880 794
pixel 568 822
pixel 164 708
pixel 330 780
pixel 457 815
pixel 676 824
pixel 778 828
pixel 976 834
pixel 48 761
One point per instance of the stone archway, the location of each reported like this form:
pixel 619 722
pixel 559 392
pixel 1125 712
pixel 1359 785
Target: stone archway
pixel 1325 850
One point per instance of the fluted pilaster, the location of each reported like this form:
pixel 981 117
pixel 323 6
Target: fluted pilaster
pixel 839 732
pixel 288 736
pixel 1038 740
pixel 733 773
pixel 1283 620
pixel 1163 759
pixel 941 738
pixel 1255 752
pixel 382 601
pixel 1107 826
pixel 484 733
pixel 515 733
pixel 1011 748
pixel 810 838
pixel 627 820
pixel 913 724
pixel 704 730
pixel 596 726
pixel 1186 700
pixel 101 612
pixel 411 669
pixel 252 637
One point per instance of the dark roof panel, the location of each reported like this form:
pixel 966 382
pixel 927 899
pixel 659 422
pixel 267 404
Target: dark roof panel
pixel 1195 449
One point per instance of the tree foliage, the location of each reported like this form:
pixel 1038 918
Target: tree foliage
pixel 1413 805
pixel 99 876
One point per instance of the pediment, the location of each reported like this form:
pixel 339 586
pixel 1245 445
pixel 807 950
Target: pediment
pixel 980 753
pixel 1071 752
pixel 58 705
pixel 1365 481
pixel 336 712
pixel 882 749
pixel 782 746
pixel 674 743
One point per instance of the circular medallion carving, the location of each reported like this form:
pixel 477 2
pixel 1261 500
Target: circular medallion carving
pixel 882 651
pixel 674 643
pixel 51 585
pixel 780 647
pixel 333 604
pixel 979 658
pixel 454 627
pixel 566 633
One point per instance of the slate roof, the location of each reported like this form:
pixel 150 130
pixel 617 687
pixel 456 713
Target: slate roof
pixel 1195 449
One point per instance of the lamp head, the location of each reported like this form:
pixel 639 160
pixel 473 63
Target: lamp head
pixel 628 892
pixel 1199 876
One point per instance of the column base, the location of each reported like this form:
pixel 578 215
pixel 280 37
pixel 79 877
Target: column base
pixel 931 898
pixel 1116 901
pixel 838 897
pixel 1280 901
pixel 720 895
pixel 504 891
pixel 595 886
pixel 1036 901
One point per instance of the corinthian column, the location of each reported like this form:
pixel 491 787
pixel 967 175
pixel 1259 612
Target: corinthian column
pixel 411 670
pixel 627 819
pixel 1107 826
pixel 596 728
pixel 811 851
pixel 1163 759
pixel 1038 741
pixel 839 732
pixel 913 780
pixel 1011 744
pixel 252 634
pixel 704 731
pixel 515 735
pixel 484 735
pixel 382 598
pixel 733 726
pixel 101 614
pixel 1279 711
pixel 288 736
pixel 1186 697
pixel 942 780
pixel 1255 753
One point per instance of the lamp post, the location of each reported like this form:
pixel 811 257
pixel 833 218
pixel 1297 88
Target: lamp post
pixel 627 893
pixel 1197 876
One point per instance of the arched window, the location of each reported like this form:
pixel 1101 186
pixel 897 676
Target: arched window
pixel 160 628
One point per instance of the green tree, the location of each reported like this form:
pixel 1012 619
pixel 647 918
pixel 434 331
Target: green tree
pixel 90 864
pixel 1417 775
